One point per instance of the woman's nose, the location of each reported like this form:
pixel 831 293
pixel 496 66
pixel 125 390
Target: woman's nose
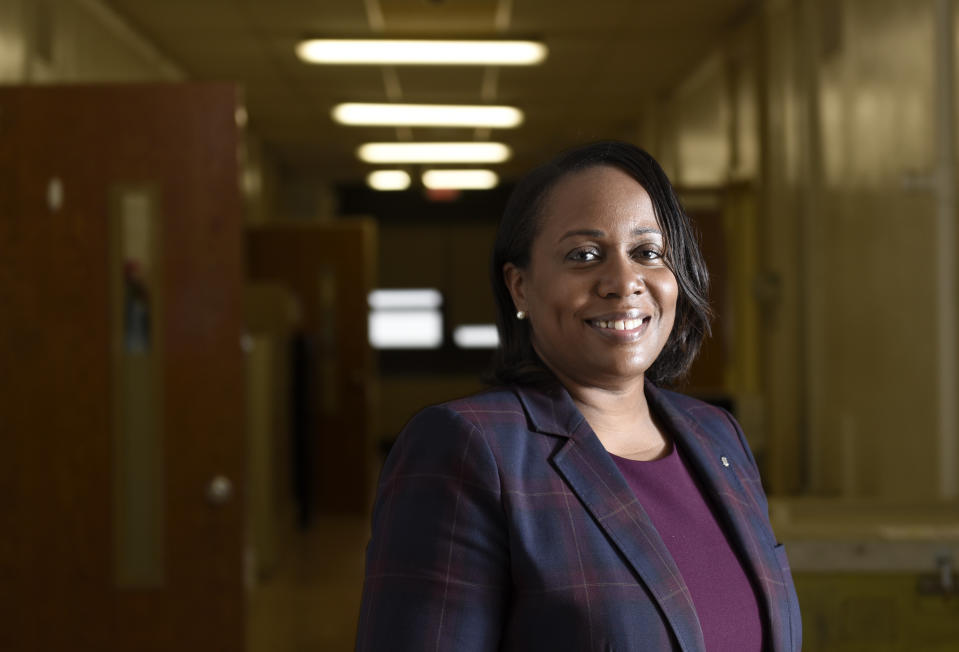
pixel 620 277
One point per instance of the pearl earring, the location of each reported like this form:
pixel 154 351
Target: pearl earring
pixel 521 314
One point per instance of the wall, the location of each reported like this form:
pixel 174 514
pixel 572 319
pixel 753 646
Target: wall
pixel 820 117
pixel 45 41
pixel 871 283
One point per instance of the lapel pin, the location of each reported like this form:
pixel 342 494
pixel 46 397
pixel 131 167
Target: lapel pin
pixel 724 460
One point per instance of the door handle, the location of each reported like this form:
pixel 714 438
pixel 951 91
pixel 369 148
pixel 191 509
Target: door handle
pixel 219 491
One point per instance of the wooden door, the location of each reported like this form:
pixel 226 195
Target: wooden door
pixel 121 371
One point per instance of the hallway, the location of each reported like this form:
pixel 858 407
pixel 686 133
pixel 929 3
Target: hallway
pixel 194 254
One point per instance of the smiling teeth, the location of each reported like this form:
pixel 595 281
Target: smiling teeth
pixel 620 325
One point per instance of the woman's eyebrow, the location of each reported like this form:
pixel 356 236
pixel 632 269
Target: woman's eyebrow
pixel 590 233
pixel 596 233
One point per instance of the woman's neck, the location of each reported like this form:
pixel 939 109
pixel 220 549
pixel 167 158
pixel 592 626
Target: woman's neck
pixel 622 421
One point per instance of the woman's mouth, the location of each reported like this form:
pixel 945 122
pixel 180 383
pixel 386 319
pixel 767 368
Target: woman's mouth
pixel 619 324
pixel 621 330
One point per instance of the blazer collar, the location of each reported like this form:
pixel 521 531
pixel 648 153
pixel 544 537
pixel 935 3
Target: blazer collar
pixel 723 485
pixel 550 409
pixel 593 477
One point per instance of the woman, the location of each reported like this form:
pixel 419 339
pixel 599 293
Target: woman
pixel 578 506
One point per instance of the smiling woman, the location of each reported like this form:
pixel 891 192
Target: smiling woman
pixel 599 296
pixel 577 505
pixel 638 174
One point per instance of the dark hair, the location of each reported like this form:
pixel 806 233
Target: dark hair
pixel 515 360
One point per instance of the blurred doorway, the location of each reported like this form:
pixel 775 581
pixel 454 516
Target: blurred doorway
pixel 330 267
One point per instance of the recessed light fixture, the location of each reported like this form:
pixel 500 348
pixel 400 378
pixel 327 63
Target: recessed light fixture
pixel 421 52
pixel 427 115
pixel 469 152
pixel 388 180
pixel 460 179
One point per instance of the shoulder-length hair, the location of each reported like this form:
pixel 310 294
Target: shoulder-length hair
pixel 515 360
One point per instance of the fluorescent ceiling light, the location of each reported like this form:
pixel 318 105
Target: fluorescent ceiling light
pixel 460 179
pixel 433 152
pixel 422 52
pixel 388 180
pixel 476 336
pixel 405 299
pixel 427 115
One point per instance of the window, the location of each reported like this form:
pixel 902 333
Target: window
pixel 476 336
pixel 405 319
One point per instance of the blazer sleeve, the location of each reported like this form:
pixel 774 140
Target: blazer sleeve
pixel 437 564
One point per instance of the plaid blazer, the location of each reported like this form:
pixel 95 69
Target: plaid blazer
pixel 501 523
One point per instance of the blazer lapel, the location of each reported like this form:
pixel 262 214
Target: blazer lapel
pixel 731 503
pixel 593 477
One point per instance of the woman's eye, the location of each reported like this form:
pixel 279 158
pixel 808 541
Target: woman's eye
pixel 583 255
pixel 648 253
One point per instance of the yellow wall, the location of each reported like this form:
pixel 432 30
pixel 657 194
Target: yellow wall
pixel 822 115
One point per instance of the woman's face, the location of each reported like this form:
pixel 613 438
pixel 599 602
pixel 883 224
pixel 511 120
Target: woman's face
pixel 598 294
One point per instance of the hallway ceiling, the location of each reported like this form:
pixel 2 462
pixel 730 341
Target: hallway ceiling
pixel 606 59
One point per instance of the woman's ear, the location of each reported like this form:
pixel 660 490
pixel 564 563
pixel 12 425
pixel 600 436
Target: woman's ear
pixel 514 278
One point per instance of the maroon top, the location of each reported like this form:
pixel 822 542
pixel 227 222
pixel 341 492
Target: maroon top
pixel 724 598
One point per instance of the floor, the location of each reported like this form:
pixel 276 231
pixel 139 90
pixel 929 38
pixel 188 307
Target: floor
pixel 311 600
